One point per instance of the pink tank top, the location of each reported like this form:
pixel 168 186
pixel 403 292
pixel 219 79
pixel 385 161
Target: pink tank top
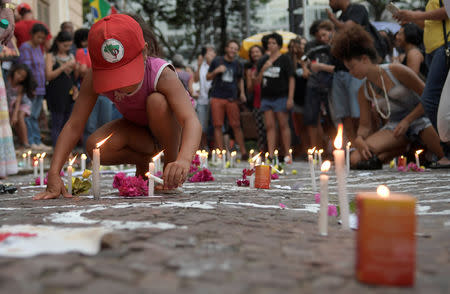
pixel 133 107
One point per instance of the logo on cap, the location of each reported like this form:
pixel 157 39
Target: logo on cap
pixel 112 50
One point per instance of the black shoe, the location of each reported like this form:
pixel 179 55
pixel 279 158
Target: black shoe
pixel 372 163
pixel 7 189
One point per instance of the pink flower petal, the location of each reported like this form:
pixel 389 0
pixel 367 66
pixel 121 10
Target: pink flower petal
pixel 317 197
pixel 332 210
pixel 282 206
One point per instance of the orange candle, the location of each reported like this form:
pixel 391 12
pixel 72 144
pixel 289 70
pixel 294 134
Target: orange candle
pixel 386 244
pixel 402 161
pixel 262 176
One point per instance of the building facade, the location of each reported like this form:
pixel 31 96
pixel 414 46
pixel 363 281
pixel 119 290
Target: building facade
pixel 55 12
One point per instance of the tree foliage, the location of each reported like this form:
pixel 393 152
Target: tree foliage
pixel 194 23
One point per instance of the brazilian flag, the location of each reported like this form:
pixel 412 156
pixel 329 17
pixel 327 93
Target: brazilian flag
pixel 100 9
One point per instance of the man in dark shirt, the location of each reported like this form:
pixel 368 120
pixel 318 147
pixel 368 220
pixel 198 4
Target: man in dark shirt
pixel 227 86
pixel 344 93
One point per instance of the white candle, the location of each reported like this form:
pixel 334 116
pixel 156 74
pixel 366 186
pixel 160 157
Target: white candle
pixel 156 179
pixel 35 168
pixel 41 167
pixel 316 157
pixel 224 158
pixel 347 156
pixel 29 159
pixel 417 157
pixel 233 159
pixel 213 156
pixel 252 151
pixel 291 159
pixel 157 160
pixel 96 173
pixel 320 157
pixel 267 157
pixel 69 175
pixel 96 168
pixel 151 181
pixel 83 162
pixel 311 170
pixel 339 161
pixel 323 214
pixel 24 160
pixel 275 159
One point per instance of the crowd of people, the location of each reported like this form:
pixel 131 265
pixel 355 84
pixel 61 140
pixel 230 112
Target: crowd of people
pixel 384 88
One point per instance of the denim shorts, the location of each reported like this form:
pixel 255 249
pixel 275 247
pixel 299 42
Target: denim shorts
pixel 344 95
pixel 203 116
pixel 276 105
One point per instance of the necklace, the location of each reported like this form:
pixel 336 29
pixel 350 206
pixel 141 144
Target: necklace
pixel 374 98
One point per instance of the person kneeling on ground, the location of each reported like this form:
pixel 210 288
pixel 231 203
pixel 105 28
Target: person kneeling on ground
pixel 394 90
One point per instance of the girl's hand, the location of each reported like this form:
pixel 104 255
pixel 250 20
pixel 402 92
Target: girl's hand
pixel 363 148
pixel 401 128
pixel 175 173
pixel 316 66
pixel 405 16
pixel 55 187
pixel 289 104
pixel 14 118
pixel 267 65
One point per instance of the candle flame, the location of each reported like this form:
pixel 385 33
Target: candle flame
pixel 224 152
pixel 338 140
pixel 35 163
pixel 38 155
pixel 255 158
pixel 325 166
pixel 43 155
pixel 267 154
pixel 311 151
pixel 29 152
pixel 252 151
pixel 147 174
pixel 214 152
pixel 349 144
pixel 383 191
pixel 83 156
pixel 419 151
pixel 103 141
pixel 276 152
pixel 157 156
pixel 73 160
pixel 198 152
pixel 290 151
pixel 320 151
pixel 24 155
pixel 233 153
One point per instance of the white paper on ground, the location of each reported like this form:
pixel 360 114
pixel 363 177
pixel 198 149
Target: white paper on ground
pixel 51 240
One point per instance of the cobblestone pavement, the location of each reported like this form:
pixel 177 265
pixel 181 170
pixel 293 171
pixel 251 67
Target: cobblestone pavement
pixel 219 238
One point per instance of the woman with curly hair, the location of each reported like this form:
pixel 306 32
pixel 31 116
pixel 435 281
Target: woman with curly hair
pixel 394 90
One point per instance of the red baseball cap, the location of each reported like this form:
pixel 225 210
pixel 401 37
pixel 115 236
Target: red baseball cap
pixel 115 46
pixel 23 8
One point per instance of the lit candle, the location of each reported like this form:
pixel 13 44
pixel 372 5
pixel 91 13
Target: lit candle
pixel 320 157
pixel 233 159
pixel 213 156
pixel 255 160
pixel 83 162
pixel 417 157
pixel 386 244
pixel 275 157
pixel 323 214
pixel 35 168
pixel 339 164
pixel 96 168
pixel 347 156
pixel 224 158
pixel 29 159
pixel 401 161
pixel 24 160
pixel 291 159
pixel 311 170
pixel 41 167
pixel 69 175
pixel 151 181
pixel 252 151
pixel 262 177
pixel 267 158
pixel 316 157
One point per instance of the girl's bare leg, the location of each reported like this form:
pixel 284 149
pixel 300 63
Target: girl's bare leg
pixel 431 139
pixel 269 122
pixel 21 129
pixel 379 143
pixel 285 130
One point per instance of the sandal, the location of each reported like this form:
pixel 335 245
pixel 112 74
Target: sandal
pixel 372 163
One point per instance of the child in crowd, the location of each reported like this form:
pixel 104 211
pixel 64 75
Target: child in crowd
pixel 60 71
pixel 394 90
pixel 157 110
pixel 20 86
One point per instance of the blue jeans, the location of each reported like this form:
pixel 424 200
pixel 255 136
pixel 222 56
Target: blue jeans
pixel 203 116
pixel 437 73
pixel 344 95
pixel 100 115
pixel 32 121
